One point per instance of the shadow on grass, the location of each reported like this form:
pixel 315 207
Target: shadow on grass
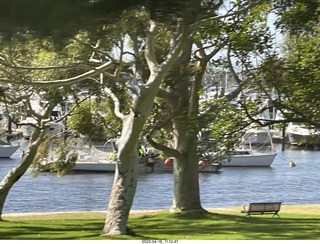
pixel 51 229
pixel 224 226
pixel 194 226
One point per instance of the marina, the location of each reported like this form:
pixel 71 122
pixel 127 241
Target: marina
pixel 230 187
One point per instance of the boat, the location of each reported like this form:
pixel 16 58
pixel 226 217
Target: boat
pixel 6 149
pixel 252 155
pixel 100 165
pixel 146 165
pixel 249 158
pixel 300 135
pixel 55 125
pixel 103 158
pixel 254 151
pixel 256 135
pixel 27 128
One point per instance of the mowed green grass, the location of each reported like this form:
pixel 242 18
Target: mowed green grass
pixel 167 226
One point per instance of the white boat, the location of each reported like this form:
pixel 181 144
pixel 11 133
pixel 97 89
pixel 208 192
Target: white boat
pixel 256 135
pixel 145 165
pixel 103 166
pixel 300 135
pixel 103 159
pixel 6 149
pixel 250 158
pixel 257 154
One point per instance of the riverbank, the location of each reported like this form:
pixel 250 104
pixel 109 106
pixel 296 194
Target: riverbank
pixel 310 209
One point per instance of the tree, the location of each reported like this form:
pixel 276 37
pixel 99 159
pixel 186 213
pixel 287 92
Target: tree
pixel 25 100
pixel 141 103
pixel 94 119
pixel 295 75
pixel 239 33
pixel 142 76
pixel 27 157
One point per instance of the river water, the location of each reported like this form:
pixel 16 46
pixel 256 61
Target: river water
pixel 231 187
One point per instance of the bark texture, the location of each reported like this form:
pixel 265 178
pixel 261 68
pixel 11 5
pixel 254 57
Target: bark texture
pixel 126 175
pixel 121 198
pixel 185 170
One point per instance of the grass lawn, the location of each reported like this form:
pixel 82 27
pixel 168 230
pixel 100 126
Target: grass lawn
pixel 223 224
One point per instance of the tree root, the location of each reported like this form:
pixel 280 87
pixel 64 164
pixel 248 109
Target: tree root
pixel 128 231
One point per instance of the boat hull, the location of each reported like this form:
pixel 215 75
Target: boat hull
pixel 259 160
pixel 300 135
pixel 95 166
pixel 300 140
pixel 6 151
pixel 157 167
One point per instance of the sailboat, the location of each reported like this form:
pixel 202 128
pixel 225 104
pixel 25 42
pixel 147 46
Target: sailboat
pixel 261 155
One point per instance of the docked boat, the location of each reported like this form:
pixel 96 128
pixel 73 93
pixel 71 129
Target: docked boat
pixel 101 165
pixel 103 158
pixel 27 128
pixel 146 164
pixel 6 149
pixel 300 135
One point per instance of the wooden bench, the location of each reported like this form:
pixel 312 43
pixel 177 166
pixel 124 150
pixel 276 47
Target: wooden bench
pixel 263 208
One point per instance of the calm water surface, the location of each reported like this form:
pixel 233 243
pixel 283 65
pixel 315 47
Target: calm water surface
pixel 230 187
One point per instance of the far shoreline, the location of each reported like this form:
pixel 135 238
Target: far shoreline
pixel 312 209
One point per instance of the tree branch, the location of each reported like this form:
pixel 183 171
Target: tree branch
pixel 62 82
pixel 167 150
pixel 149 49
pixel 116 102
pixel 95 48
pixel 218 17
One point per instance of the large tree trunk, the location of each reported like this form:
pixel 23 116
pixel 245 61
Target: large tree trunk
pixel 14 174
pixel 186 186
pixel 126 175
pixel 185 170
pixel 125 180
pixel 122 195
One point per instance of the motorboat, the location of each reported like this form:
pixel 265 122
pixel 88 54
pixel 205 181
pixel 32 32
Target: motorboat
pixel 301 135
pixel 146 164
pixel 103 158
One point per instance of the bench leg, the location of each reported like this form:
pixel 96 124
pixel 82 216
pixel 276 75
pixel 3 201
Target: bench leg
pixel 275 215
